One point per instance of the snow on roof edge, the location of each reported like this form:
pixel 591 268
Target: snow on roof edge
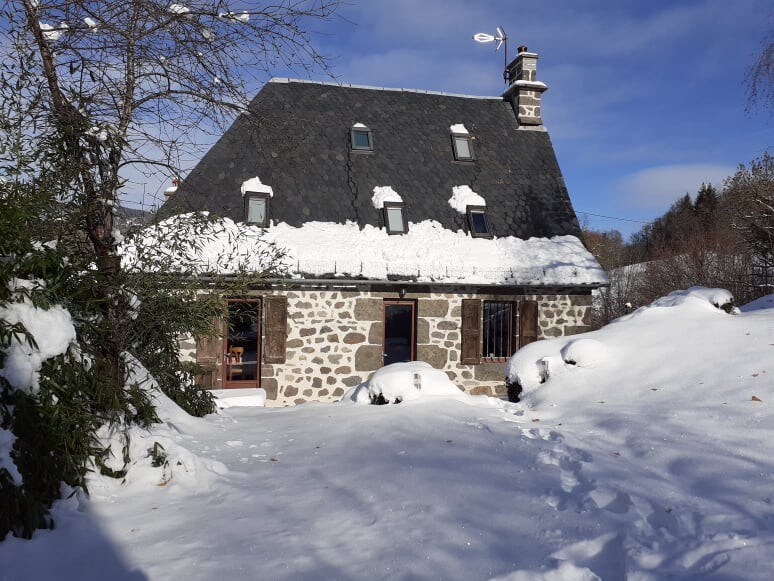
pixel 323 250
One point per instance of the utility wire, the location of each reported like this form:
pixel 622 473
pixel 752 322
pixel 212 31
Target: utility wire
pixel 614 218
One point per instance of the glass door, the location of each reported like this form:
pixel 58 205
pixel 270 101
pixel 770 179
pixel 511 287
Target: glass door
pixel 241 358
pixel 399 332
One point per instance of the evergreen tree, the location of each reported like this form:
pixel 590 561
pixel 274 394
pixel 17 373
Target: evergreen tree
pixel 82 99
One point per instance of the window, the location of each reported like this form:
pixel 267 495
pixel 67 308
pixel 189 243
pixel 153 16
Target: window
pixel 395 218
pixel 498 329
pixel 478 222
pixel 361 138
pixel 462 148
pixel 494 330
pixel 257 209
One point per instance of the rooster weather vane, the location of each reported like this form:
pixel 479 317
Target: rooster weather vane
pixel 502 39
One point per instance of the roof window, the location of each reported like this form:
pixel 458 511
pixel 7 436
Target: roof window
pixel 257 209
pixel 395 217
pixel 257 196
pixel 393 209
pixel 361 137
pixel 478 222
pixel 461 143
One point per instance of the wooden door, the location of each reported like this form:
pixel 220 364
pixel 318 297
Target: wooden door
pixel 242 344
pixel 399 341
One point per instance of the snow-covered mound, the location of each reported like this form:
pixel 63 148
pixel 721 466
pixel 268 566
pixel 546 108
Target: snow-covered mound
pixel 346 250
pixel 401 382
pixel 667 339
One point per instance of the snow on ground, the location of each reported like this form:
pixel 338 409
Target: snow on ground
pixel 325 249
pixel 649 458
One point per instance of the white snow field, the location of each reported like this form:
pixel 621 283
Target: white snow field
pixel 646 453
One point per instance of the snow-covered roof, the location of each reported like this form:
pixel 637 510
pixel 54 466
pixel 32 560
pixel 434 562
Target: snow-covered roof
pixel 464 196
pixel 255 185
pixel 384 194
pixel 426 253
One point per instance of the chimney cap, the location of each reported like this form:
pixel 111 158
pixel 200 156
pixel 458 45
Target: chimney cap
pixel 521 49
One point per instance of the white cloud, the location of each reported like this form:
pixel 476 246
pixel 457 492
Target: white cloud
pixel 657 187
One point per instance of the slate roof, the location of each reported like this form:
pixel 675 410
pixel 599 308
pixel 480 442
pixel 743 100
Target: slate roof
pixel 297 140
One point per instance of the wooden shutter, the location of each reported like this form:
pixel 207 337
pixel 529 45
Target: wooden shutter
pixel 208 356
pixel 471 332
pixel 276 309
pixel 528 322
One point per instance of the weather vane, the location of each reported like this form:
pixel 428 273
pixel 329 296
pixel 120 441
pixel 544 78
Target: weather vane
pixel 501 39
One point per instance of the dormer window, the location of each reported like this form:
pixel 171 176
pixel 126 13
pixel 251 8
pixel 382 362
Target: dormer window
pixel 478 222
pixel 461 143
pixel 395 217
pixel 256 196
pixel 362 140
pixel 257 209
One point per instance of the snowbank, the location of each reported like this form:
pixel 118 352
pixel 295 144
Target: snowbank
pixel 159 456
pixel 322 249
pixel 247 397
pixel 401 382
pixel 646 339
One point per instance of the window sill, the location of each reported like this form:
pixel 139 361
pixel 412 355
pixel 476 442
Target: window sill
pixel 494 360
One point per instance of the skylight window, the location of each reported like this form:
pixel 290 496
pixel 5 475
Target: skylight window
pixel 478 222
pixel 461 143
pixel 395 218
pixel 256 196
pixel 257 209
pixel 362 140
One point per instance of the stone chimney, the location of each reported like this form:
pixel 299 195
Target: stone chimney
pixel 525 90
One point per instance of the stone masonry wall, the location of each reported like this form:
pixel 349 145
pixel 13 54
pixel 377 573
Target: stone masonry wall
pixel 335 341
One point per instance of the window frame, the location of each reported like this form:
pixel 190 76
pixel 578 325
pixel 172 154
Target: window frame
pixel 261 196
pixel 466 137
pixel 368 133
pixel 402 207
pixel 470 210
pixel 510 348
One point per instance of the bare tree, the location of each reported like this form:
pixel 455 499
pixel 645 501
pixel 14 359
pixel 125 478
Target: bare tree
pixel 749 193
pixel 133 83
pixel 760 78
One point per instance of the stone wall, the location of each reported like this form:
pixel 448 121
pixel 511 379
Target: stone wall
pixel 335 341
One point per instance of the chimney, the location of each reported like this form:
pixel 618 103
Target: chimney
pixel 525 90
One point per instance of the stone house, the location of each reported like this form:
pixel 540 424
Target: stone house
pixel 419 225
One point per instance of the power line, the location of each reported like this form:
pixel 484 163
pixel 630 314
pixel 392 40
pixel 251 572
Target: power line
pixel 615 218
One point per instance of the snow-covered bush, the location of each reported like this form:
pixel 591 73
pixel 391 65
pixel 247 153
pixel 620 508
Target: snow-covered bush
pixel 401 382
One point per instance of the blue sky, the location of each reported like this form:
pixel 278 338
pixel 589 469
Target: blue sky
pixel 646 99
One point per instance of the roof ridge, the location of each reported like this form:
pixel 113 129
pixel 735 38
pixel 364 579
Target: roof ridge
pixel 374 88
